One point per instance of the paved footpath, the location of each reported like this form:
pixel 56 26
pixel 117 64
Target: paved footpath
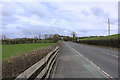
pixel 72 65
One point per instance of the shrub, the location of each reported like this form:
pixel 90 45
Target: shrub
pixel 105 42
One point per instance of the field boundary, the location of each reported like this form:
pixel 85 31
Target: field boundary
pixel 42 68
pixel 112 43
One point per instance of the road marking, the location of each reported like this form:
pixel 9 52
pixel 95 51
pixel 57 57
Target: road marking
pixel 90 62
pixel 111 54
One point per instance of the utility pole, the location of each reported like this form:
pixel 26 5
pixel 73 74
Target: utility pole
pixel 109 30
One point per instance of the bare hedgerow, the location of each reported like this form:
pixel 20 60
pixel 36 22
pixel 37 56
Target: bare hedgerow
pixel 15 65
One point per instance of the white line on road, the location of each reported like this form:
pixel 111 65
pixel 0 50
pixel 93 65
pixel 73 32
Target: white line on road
pixel 90 62
pixel 111 54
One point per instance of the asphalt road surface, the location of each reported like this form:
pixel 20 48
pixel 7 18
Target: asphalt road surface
pixel 73 65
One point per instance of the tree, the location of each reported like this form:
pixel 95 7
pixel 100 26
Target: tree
pixel 3 37
pixel 67 38
pixel 39 36
pixel 51 37
pixel 56 37
pixel 35 39
pixel 45 36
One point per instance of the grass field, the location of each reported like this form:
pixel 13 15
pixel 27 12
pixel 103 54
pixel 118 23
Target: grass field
pixel 99 38
pixel 16 49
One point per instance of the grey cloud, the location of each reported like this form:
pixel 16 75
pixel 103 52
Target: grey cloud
pixel 7 10
pixel 85 13
pixel 10 9
pixel 83 31
pixel 8 20
pixel 33 29
pixel 99 12
pixel 44 14
pixel 114 21
pixel 68 15
pixel 28 8
pixel 36 8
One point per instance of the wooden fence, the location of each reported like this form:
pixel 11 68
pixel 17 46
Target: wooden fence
pixel 42 68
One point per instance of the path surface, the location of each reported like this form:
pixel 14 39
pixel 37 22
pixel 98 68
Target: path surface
pixel 72 65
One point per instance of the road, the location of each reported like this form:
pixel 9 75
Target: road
pixel 72 61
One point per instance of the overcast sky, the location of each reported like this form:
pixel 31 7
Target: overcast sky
pixel 27 19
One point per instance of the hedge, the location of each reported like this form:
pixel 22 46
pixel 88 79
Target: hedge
pixel 105 42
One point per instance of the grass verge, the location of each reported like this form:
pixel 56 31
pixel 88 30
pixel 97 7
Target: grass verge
pixel 17 49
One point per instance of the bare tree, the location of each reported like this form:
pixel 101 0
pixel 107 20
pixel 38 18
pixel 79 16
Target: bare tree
pixel 51 37
pixel 39 36
pixel 4 37
pixel 45 36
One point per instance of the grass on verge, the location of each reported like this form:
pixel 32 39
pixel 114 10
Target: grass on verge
pixel 16 49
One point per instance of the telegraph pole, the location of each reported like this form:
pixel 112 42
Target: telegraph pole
pixel 109 30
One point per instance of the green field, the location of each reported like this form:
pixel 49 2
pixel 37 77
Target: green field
pixel 99 38
pixel 16 49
